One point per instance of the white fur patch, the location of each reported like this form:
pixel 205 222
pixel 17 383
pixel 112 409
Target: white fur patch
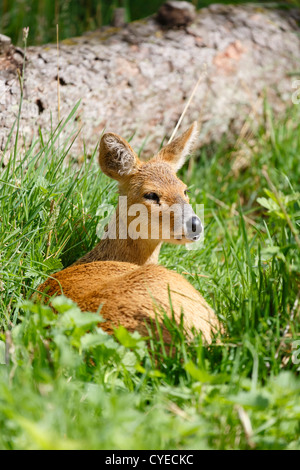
pixel 124 159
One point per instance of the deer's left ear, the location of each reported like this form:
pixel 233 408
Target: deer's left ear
pixel 116 158
pixel 176 152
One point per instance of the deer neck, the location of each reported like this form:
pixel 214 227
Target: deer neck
pixel 132 251
pixel 115 247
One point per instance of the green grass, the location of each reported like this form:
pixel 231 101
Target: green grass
pixel 68 385
pixel 77 16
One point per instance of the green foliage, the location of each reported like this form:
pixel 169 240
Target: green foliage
pixel 67 384
pixel 73 16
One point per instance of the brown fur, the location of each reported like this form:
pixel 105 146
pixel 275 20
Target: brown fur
pixel 130 296
pixel 157 175
pixel 119 275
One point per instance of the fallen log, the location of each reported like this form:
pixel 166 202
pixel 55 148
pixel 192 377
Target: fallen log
pixel 134 80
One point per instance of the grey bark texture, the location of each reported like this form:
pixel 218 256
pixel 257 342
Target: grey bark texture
pixel 135 80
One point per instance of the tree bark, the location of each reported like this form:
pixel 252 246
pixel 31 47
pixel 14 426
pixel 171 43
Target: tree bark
pixel 135 80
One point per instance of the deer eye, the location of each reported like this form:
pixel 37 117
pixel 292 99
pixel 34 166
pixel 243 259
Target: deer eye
pixel 186 192
pixel 152 197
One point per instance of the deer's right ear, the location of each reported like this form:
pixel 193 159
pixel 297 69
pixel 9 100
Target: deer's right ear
pixel 176 152
pixel 116 158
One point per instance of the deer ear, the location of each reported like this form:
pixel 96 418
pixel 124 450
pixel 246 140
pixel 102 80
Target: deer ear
pixel 176 152
pixel 116 158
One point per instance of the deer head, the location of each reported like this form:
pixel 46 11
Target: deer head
pixel 157 203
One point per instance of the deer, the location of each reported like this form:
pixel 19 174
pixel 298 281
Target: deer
pixel 121 278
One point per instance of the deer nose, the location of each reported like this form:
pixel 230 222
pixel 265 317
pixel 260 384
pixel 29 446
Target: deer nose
pixel 194 228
